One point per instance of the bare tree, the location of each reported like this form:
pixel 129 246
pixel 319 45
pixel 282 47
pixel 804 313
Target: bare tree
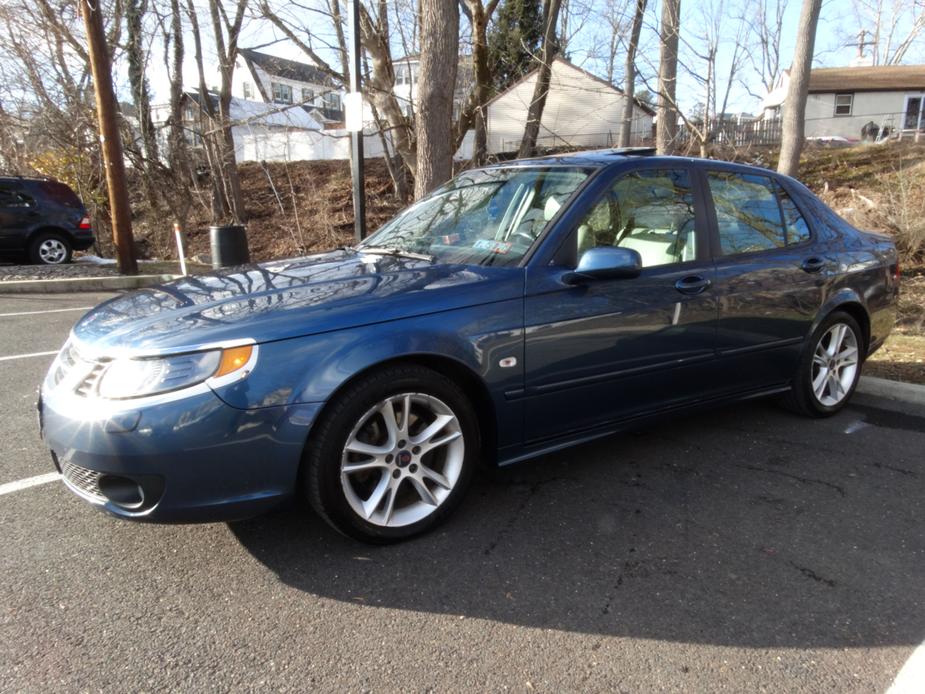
pixel 548 53
pixel 629 76
pixel 766 22
pixel 227 201
pixel 474 111
pixel 666 128
pixel 793 126
pixel 436 86
pixel 893 25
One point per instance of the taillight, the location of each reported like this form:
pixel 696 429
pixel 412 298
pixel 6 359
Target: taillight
pixel 84 224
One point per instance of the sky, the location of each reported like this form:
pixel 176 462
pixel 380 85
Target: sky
pixel 837 23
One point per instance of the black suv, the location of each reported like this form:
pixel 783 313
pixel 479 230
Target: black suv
pixel 44 218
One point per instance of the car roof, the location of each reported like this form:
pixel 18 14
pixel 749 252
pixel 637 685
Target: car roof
pixel 602 158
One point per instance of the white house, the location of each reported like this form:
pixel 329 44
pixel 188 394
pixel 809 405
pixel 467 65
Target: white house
pixel 269 79
pixel 843 100
pixel 582 110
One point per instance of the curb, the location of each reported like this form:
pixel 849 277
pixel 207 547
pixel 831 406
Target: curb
pixel 892 390
pixel 83 284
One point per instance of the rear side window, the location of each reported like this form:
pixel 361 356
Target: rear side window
pixel 747 213
pixel 60 193
pixel 797 228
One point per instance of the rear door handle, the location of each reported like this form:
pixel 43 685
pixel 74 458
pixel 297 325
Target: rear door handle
pixel 813 264
pixel 693 284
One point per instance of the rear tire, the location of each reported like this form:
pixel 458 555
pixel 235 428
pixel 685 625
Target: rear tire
pixel 829 368
pixel 381 477
pixel 50 248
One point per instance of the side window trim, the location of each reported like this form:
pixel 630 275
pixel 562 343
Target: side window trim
pixel 780 191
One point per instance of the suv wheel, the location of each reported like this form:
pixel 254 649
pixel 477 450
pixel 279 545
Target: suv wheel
pixel 393 455
pixel 49 248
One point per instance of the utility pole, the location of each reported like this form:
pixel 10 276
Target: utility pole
pixel 111 142
pixel 357 163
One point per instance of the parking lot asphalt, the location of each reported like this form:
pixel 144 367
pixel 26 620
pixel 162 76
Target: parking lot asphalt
pixel 738 549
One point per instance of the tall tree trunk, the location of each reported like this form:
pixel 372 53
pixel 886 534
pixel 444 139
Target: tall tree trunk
pixel 666 130
pixel 543 76
pixel 436 86
pixel 134 14
pixel 793 126
pixel 629 80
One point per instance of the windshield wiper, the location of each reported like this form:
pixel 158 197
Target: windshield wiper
pixel 390 250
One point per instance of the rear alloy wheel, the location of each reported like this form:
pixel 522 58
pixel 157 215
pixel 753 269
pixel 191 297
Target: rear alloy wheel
pixel 829 370
pixel 49 248
pixel 393 456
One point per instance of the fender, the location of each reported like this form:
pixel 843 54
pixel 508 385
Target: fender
pixel 310 369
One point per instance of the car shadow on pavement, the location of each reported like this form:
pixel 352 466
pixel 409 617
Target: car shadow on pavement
pixel 745 526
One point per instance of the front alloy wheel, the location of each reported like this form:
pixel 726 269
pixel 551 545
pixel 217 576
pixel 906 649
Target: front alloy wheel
pixel 392 454
pixel 402 459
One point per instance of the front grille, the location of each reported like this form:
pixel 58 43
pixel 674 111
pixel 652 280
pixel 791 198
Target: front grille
pixel 83 481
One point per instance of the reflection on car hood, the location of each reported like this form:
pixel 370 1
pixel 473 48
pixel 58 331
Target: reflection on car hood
pixel 289 298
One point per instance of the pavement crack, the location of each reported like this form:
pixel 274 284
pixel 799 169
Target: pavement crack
pixel 809 573
pixel 799 478
pixel 900 470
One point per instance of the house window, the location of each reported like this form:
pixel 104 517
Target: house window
pixel 332 101
pixel 246 86
pixel 282 93
pixel 843 104
pixel 401 73
pixel 308 96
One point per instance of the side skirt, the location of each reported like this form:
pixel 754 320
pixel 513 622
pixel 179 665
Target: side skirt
pixel 517 454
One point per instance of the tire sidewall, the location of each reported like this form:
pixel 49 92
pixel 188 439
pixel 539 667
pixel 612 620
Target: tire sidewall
pixel 324 455
pixel 804 387
pixel 36 259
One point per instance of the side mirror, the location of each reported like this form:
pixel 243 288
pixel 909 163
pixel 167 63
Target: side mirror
pixel 605 263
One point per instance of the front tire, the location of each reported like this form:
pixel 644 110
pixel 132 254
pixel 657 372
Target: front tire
pixel 393 454
pixel 829 368
pixel 50 248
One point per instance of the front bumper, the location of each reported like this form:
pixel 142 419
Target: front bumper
pixel 188 460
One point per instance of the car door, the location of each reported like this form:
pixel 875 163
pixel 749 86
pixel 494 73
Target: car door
pixel 770 276
pixel 609 349
pixel 17 213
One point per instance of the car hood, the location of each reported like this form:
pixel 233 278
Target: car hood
pixel 289 298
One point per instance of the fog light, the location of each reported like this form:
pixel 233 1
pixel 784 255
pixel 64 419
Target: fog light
pixel 122 492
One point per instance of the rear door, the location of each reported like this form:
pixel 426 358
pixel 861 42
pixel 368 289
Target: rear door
pixel 17 214
pixel 609 349
pixel 770 276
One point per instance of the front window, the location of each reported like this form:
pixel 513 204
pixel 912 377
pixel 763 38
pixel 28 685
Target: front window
pixel 843 104
pixel 332 101
pixel 483 217
pixel 282 93
pixel 650 211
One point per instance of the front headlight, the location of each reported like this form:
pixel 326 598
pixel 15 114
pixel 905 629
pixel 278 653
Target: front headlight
pixel 139 377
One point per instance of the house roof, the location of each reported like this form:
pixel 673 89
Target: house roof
pixel 287 69
pixel 875 78
pixel 253 113
pixel 563 61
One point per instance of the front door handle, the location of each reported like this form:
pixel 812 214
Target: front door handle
pixel 692 284
pixel 813 264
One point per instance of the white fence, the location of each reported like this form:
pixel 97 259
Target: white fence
pixel 261 144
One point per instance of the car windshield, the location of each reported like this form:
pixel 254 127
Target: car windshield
pixel 484 217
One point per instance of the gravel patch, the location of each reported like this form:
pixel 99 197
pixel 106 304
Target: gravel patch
pixel 9 273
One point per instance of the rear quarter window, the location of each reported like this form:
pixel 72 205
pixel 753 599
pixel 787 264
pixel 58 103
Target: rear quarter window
pixel 60 193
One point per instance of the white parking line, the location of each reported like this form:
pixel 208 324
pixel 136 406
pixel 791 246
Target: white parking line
pixel 50 310
pixel 912 676
pixel 27 356
pixel 18 485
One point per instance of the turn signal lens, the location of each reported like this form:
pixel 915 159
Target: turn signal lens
pixel 233 359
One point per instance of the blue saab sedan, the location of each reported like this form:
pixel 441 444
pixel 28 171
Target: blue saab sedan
pixel 517 310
